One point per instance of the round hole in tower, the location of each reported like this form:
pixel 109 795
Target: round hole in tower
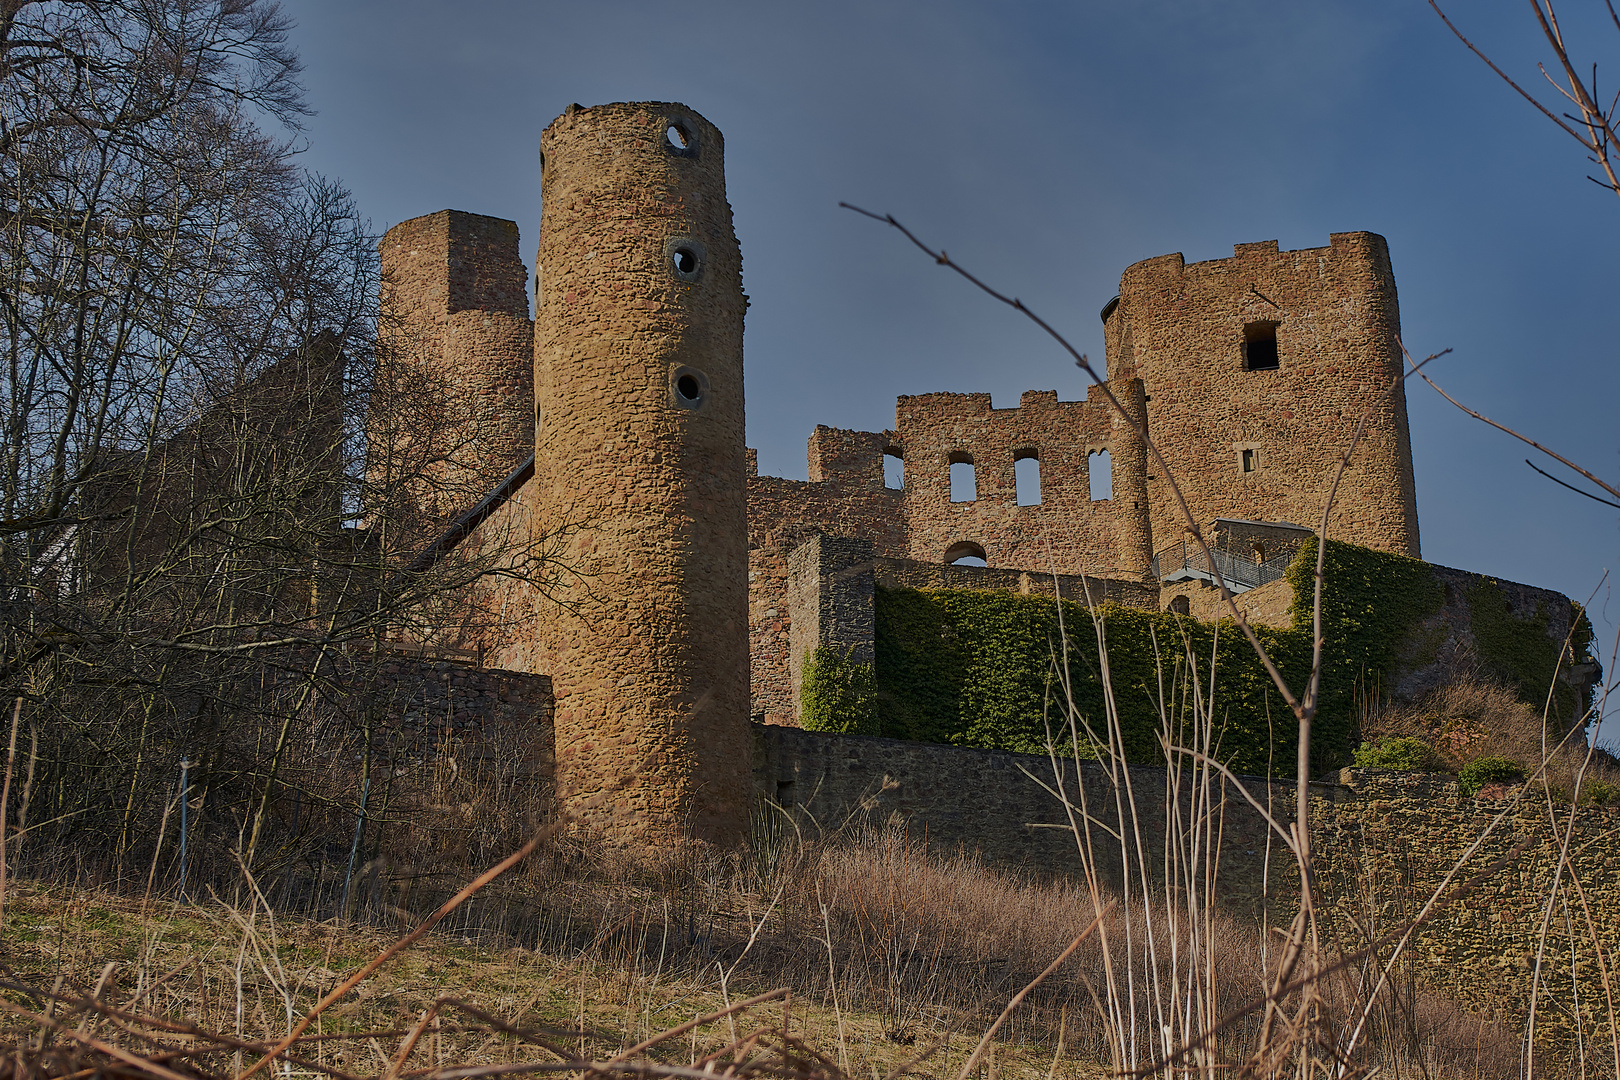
pixel 678 137
pixel 688 388
pixel 685 256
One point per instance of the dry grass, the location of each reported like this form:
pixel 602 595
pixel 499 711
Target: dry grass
pixel 219 972
pixel 1473 718
pixel 925 948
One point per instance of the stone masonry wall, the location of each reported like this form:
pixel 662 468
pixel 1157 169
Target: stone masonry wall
pixel 483 709
pixel 1387 844
pixel 1383 841
pixel 1068 532
pixel 1184 330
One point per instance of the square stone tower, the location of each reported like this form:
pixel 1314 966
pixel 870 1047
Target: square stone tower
pixel 1257 370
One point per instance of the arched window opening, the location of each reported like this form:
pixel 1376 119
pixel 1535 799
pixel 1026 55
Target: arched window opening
pixel 965 553
pixel 1027 477
pixel 894 469
pixel 1180 605
pixel 1100 475
pixel 964 488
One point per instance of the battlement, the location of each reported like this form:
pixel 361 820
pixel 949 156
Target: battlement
pixel 1343 248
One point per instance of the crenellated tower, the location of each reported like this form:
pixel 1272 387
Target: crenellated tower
pixel 1258 369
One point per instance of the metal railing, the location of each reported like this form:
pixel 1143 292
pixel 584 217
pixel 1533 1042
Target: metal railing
pixel 1183 561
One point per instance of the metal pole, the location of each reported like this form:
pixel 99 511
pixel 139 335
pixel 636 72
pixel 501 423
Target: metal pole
pixel 185 819
pixel 354 848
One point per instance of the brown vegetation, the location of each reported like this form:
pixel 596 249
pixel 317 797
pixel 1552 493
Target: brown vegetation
pixel 1472 718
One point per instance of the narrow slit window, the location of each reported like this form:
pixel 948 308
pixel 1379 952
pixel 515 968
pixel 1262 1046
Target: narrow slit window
pixel 1100 475
pixel 1027 478
pixel 1251 460
pixel 1260 347
pixel 894 471
pixel 964 488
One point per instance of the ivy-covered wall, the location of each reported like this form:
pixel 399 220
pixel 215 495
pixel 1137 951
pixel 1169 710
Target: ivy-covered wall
pixel 984 669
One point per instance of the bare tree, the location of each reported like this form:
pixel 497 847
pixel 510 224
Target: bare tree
pixel 1577 107
pixel 201 550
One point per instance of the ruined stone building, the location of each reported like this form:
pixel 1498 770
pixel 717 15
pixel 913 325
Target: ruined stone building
pixel 669 595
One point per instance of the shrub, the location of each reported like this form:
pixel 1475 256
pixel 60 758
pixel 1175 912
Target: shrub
pixel 1399 752
pixel 1488 770
pixel 1599 793
pixel 838 693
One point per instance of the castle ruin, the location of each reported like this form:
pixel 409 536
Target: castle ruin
pixel 693 588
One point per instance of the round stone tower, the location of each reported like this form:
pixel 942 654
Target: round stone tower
pixel 639 461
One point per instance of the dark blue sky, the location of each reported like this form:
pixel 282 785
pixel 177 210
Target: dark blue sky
pixel 1048 146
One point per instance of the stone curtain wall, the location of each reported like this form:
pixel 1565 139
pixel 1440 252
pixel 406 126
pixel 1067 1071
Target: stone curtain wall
pixel 1383 842
pixel 1389 839
pixel 484 709
pixel 821 593
pixel 1082 589
pixel 844 497
pixel 1068 531
pixel 1182 328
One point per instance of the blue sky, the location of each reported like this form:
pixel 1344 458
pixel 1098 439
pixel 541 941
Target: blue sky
pixel 1048 146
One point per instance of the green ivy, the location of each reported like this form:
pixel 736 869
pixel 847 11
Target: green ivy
pixel 983 669
pixel 1488 770
pixel 1519 652
pixel 1398 752
pixel 1372 605
pixel 975 668
pixel 837 693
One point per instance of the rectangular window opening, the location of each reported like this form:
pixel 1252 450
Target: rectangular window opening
pixel 1100 475
pixel 963 486
pixel 1251 460
pixel 1260 347
pixel 894 471
pixel 1027 480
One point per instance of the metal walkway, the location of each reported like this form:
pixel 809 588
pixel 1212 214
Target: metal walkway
pixel 1185 561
